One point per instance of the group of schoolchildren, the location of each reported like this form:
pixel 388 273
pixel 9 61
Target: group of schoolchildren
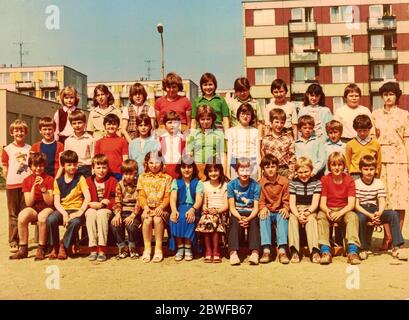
pixel 212 170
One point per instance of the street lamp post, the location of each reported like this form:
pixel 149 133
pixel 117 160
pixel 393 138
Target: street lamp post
pixel 160 30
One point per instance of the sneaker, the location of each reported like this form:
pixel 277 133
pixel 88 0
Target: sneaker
pixel 282 257
pixel 13 249
pixel 266 257
pixel 353 259
pixel 326 258
pixel 133 254
pixel 295 258
pixel 363 255
pixel 253 260
pixel 188 254
pixel 400 254
pixel 234 259
pixel 123 253
pixel 93 256
pixel 101 257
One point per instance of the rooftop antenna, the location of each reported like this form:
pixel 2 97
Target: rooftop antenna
pixel 148 68
pixel 21 51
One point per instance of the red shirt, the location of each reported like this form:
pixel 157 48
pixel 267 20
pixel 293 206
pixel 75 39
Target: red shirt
pixel 114 148
pixel 181 105
pixel 337 194
pixel 28 183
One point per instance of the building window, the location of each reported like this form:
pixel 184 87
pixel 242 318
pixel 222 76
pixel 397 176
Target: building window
pixel 377 102
pixel 381 42
pixel 50 76
pixel 343 74
pixel 299 44
pixel 337 102
pixel 50 95
pixel 264 46
pixel 379 10
pixel 382 72
pixel 265 76
pixel 264 17
pixel 302 74
pixel 342 14
pixel 27 76
pixel 303 14
pixel 4 78
pixel 341 44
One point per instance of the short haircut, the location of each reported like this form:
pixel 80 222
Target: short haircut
pixel 100 159
pixel 277 113
pixel 334 125
pixel 137 88
pixel 303 162
pixel 367 161
pixel 241 84
pixel 314 89
pixel 68 156
pixel 77 115
pixel 171 116
pixel 70 90
pixel 362 121
pixel 216 164
pixel 37 158
pixel 46 122
pixel 205 110
pixel 242 162
pixel 244 108
pixel 153 155
pixel 18 124
pixel 336 157
pixel 112 118
pixel 277 84
pixel 304 120
pixel 129 166
pixel 143 119
pixel 267 160
pixel 352 87
pixel 104 89
pixel 187 160
pixel 391 87
pixel 208 77
pixel 171 79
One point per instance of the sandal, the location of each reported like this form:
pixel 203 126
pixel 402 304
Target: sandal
pixel 295 258
pixel 158 257
pixel 146 257
pixel 208 259
pixel 179 254
pixel 217 259
pixel 188 254
pixel 316 258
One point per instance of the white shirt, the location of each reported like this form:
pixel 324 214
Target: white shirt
pixel 346 116
pixel 215 195
pixel 288 108
pixel 242 141
pixel 172 153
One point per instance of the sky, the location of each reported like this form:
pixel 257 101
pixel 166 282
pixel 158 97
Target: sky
pixel 111 40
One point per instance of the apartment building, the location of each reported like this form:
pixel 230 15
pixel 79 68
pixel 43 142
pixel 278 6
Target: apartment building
pixel 44 82
pixel 333 43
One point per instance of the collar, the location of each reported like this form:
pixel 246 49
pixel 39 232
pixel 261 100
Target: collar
pixel 367 184
pixel 132 184
pixel 85 135
pixel 104 111
pixel 312 138
pixel 339 143
pixel 71 109
pixel 279 181
pixel 150 174
pixel 390 111
pixel 167 135
pixel 364 141
pixel 45 142
pixel 202 98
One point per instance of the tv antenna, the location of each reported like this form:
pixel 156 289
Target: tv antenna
pixel 148 68
pixel 21 51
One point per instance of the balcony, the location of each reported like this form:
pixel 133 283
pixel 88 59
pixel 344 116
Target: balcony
pixel 307 56
pixel 301 87
pixel 50 84
pixel 375 84
pixel 299 26
pixel 382 23
pixel 379 54
pixel 25 85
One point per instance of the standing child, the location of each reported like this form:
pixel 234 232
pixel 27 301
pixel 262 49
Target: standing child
pixel 186 199
pixel 145 141
pixel 334 142
pixel 102 102
pixel 153 196
pixel 243 141
pixel 348 112
pixel 69 99
pixel 71 199
pixel 213 222
pixel 208 86
pixel 362 145
pixel 310 146
pixel 336 206
pixel 48 145
pixel 243 194
pixel 127 211
pixel 205 143
pixel 81 142
pixel 370 206
pixel 172 142
pixel 304 202
pixel 14 159
pixel 279 91
pixel 102 189
pixel 314 105
pixel 137 107
pixel 274 207
pixel 280 144
pixel 38 195
pixel 113 146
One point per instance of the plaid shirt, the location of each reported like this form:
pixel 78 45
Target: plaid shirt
pixel 282 147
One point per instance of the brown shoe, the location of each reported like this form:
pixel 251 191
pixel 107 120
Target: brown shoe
pixel 62 253
pixel 40 254
pixel 353 258
pixel 326 258
pixel 20 254
pixel 265 258
pixel 282 257
pixel 54 253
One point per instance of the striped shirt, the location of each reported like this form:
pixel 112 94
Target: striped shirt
pixel 304 191
pixel 369 193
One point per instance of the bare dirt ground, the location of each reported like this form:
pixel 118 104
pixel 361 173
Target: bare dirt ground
pixel 380 277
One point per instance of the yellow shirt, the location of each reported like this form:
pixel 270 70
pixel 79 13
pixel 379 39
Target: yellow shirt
pixel 355 151
pixel 72 193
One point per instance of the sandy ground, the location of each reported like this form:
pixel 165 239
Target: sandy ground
pixel 380 277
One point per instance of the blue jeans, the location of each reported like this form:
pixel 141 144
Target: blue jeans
pixel 54 220
pixel 282 229
pixel 388 216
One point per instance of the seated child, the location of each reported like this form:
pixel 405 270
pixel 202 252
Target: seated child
pixel 336 205
pixel 370 206
pixel 186 199
pixel 127 211
pixel 274 207
pixel 305 195
pixel 102 189
pixel 38 195
pixel 243 194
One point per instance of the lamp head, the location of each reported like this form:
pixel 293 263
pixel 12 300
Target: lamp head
pixel 160 27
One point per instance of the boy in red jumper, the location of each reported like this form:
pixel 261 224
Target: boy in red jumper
pixel 102 189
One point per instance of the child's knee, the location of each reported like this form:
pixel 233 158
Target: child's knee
pixel 157 221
